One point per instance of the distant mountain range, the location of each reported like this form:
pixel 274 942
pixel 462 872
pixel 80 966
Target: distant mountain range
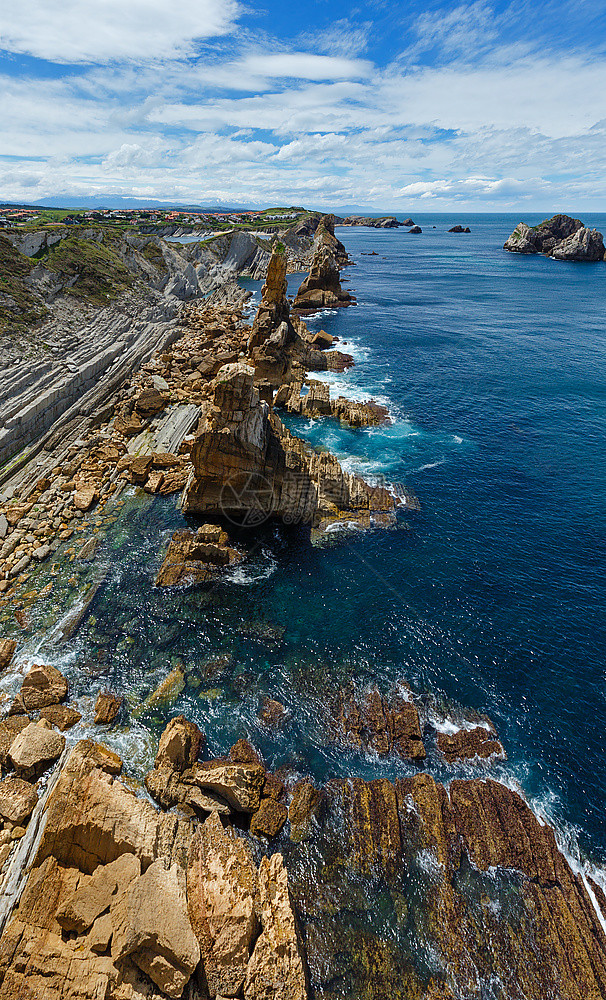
pixel 93 202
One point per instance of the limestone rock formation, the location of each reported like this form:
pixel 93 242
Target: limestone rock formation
pixel 17 800
pixel 223 900
pixel 479 741
pixel 246 465
pixel 316 402
pixel 416 230
pixel 195 557
pixel 583 245
pixel 322 288
pixel 273 339
pixel 385 222
pixel 459 229
pixel 561 237
pixel 277 969
pixel 151 927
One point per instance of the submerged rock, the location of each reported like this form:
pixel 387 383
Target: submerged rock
pixel 195 557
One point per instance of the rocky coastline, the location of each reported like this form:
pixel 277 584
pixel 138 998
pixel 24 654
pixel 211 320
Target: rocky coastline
pixel 217 877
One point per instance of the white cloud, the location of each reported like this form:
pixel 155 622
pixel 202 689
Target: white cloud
pixel 305 66
pixel 97 31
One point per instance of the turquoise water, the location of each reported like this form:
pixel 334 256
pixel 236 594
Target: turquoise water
pixel 492 596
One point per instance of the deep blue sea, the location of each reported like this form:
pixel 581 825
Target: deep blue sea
pixel 491 597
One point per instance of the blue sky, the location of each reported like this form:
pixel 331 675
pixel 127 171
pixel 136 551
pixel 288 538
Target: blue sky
pixel 412 106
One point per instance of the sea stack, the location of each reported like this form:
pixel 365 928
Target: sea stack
pixel 322 288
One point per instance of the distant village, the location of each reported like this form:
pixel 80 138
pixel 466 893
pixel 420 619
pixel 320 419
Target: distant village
pixel 144 217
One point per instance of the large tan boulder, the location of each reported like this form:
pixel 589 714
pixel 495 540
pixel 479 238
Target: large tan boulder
pixel 151 926
pixel 180 744
pixel 277 969
pixel 35 749
pixel 223 898
pixel 239 784
pixel 17 800
pixel 43 685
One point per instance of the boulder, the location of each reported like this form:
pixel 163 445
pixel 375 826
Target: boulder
pixel 277 969
pixel 9 729
pixel 107 707
pixel 180 745
pixel 269 818
pixel 151 927
pixel 35 749
pixel 61 716
pixel 415 229
pixel 243 752
pixel 7 649
pixel 223 899
pixel 44 685
pixel 151 401
pixel 239 784
pixel 85 497
pixel 17 800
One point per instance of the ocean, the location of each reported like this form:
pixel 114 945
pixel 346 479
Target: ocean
pixel 491 597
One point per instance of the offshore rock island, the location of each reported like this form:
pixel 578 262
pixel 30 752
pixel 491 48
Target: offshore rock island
pixel 134 381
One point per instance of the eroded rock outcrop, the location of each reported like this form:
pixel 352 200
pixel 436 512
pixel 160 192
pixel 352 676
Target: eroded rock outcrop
pixel 322 288
pixel 247 465
pixel 195 556
pixel 369 722
pixel 561 237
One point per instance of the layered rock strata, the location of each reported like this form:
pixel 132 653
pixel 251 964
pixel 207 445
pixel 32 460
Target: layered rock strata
pixel 245 463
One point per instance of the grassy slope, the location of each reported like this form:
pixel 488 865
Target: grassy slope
pixel 14 268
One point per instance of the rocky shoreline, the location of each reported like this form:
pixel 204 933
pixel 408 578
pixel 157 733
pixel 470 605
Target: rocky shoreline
pixel 561 237
pixel 217 877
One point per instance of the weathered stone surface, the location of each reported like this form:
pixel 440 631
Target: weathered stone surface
pixel 17 800
pixel 35 749
pixel 85 497
pixel 305 807
pixel 107 707
pixel 269 818
pixel 223 898
pixel 7 649
pixel 248 466
pixel 480 742
pixel 277 969
pixel 195 557
pixel 152 928
pixel 181 744
pixel 61 716
pixel 371 723
pixel 93 819
pixel 243 752
pixel 94 897
pixel 44 685
pixel 586 245
pixel 239 784
pixel 9 729
pixel 272 712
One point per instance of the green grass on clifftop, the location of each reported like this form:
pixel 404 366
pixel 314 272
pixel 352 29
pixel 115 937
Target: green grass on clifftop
pixel 19 307
pixel 100 273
